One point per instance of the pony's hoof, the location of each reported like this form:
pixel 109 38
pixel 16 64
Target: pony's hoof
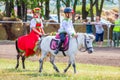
pixel 65 71
pixel 58 71
pixel 40 71
pixel 16 67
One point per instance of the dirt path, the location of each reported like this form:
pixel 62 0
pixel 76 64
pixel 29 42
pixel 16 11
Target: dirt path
pixel 101 56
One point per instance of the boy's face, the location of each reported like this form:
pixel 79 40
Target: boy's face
pixel 68 15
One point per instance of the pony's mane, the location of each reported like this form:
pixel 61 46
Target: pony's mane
pixel 89 35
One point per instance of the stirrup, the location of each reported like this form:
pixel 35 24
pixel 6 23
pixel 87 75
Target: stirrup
pixel 56 51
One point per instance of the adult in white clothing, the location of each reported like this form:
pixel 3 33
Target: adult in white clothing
pixel 99 32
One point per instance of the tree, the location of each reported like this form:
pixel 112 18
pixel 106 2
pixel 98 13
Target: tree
pixel 41 6
pixel 99 7
pixel 47 10
pixel 9 7
pixel 22 9
pixel 66 2
pixel 74 9
pixel 91 9
pixel 58 9
pixel 92 3
pixel 84 11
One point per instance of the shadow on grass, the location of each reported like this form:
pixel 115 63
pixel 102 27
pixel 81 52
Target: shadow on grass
pixel 18 70
pixel 34 73
pixel 46 74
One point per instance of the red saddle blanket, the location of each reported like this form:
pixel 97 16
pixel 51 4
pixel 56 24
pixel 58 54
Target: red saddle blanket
pixel 54 43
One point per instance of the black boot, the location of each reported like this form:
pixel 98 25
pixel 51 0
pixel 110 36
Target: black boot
pixel 57 50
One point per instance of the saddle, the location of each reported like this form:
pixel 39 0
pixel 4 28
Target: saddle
pixel 54 43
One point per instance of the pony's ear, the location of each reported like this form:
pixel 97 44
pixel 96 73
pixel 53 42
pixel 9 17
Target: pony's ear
pixel 92 36
pixel 85 34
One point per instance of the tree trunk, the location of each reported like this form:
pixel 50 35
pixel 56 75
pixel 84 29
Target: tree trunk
pixel 7 8
pixel 24 11
pixel 58 10
pixel 101 7
pixel 91 10
pixel 47 11
pixel 84 12
pixel 74 9
pixel 99 10
pixel 21 9
pixel 67 3
pixel 18 9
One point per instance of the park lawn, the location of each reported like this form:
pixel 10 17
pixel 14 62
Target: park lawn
pixel 84 71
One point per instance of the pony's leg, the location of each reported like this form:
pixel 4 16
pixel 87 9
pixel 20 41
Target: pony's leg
pixel 23 62
pixel 52 58
pixel 69 64
pixel 74 66
pixel 17 65
pixel 18 54
pixel 41 65
pixel 41 60
pixel 71 61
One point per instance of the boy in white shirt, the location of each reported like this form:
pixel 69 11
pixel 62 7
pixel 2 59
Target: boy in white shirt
pixel 66 27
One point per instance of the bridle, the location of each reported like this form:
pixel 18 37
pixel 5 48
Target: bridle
pixel 85 43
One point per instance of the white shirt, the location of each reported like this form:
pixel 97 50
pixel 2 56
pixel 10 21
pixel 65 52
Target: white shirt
pixel 99 27
pixel 67 26
pixel 34 21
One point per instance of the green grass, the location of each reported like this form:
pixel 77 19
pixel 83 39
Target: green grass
pixel 84 71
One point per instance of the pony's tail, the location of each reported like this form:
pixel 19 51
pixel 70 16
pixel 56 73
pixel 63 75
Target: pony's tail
pixel 16 44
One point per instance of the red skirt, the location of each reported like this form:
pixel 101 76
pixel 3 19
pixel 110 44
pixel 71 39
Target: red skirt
pixel 27 43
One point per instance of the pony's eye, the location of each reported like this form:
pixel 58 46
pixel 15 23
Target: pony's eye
pixel 87 41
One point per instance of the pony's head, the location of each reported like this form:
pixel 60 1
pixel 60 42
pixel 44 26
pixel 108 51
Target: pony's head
pixel 87 40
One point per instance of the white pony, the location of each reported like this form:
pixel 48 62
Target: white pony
pixel 75 44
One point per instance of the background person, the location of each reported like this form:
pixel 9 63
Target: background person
pixel 88 26
pixel 99 31
pixel 116 31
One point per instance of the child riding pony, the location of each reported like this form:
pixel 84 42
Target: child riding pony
pixel 26 45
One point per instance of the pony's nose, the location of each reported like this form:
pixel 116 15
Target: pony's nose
pixel 90 51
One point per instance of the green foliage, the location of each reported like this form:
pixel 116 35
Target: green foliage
pixel 34 4
pixel 79 9
pixel 13 13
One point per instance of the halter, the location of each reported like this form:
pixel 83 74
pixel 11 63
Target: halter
pixel 86 47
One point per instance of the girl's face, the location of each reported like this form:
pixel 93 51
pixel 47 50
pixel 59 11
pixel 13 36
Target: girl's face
pixel 68 15
pixel 37 14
